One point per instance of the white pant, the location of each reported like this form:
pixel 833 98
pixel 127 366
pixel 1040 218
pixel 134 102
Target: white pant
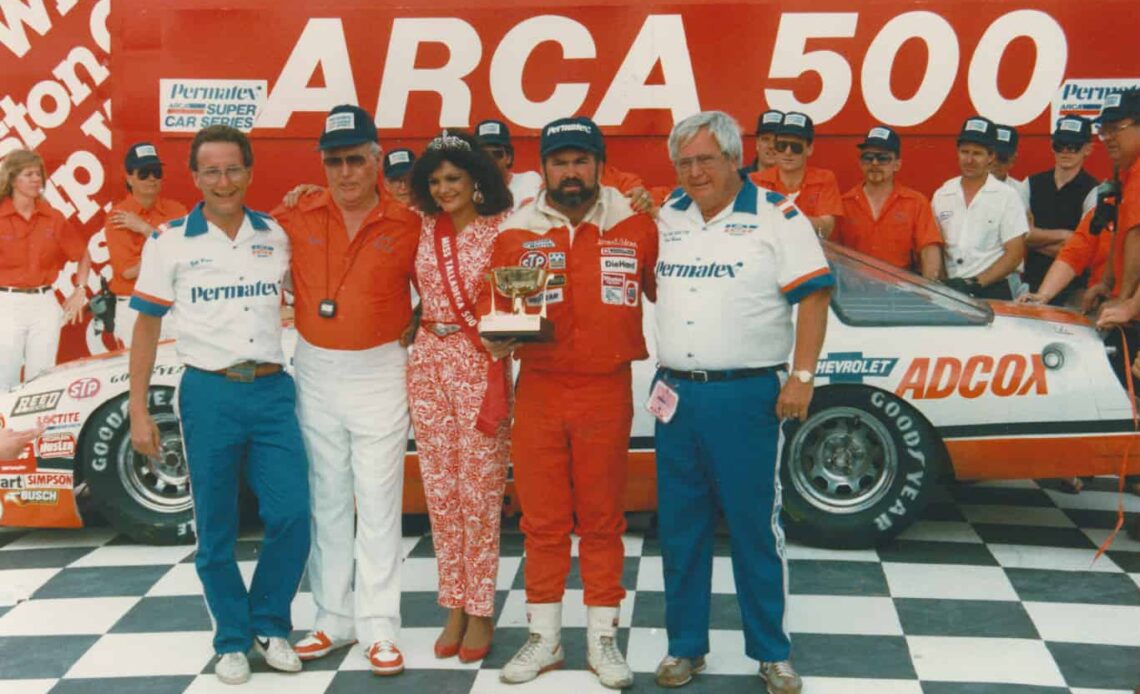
pixel 29 335
pixel 353 409
pixel 125 317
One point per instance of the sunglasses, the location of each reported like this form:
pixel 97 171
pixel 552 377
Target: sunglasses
pixel 785 145
pixel 354 161
pixel 148 172
pixel 876 157
pixel 495 152
pixel 1066 148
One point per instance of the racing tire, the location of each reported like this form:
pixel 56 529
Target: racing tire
pixel 858 470
pixel 147 499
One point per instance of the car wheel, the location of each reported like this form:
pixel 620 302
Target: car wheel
pixel 147 499
pixel 859 470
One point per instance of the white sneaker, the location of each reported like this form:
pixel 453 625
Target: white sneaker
pixel 232 668
pixel 538 655
pixel 278 653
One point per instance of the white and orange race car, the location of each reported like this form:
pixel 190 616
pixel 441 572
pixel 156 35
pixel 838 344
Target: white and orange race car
pixel 916 385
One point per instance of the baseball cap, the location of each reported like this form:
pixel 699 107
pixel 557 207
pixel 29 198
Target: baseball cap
pixel 1072 130
pixel 140 154
pixel 881 137
pixel 797 124
pixel 769 121
pixel 979 131
pixel 1005 140
pixel 571 133
pixel 1120 105
pixel 493 132
pixel 398 162
pixel 346 126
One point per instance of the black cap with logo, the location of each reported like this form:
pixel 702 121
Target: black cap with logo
pixel 347 126
pixel 881 137
pixel 769 122
pixel 1072 130
pixel 398 162
pixel 571 133
pixel 1005 140
pixel 1120 105
pixel 979 131
pixel 797 125
pixel 141 154
pixel 493 132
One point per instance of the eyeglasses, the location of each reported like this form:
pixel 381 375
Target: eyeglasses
pixel 354 161
pixel 785 145
pixel 876 157
pixel 1066 148
pixel 495 152
pixel 233 173
pixel 149 171
pixel 1109 130
pixel 702 161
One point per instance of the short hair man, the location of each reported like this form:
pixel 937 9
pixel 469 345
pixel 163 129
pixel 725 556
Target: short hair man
pixel 982 220
pixel 353 302
pixel 1058 198
pixel 1005 157
pixel 724 335
pixel 573 403
pixel 766 126
pixel 885 219
pixel 398 174
pixel 222 267
pixel 494 138
pixel 814 190
pixel 130 223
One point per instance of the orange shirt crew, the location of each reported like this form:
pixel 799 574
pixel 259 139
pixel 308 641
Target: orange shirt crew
pixel 369 278
pixel 125 246
pixel 33 251
pixel 904 227
pixel 1128 216
pixel 818 194
pixel 1083 251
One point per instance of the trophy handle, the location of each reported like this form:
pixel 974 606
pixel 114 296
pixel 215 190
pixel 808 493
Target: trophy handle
pixel 545 284
pixel 491 281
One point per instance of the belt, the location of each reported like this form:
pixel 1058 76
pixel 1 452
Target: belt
pixel 443 329
pixel 27 290
pixel 246 371
pixel 701 376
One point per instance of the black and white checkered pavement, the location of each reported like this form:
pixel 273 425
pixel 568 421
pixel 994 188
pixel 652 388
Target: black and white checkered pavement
pixel 992 592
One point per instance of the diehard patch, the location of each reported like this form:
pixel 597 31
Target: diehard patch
pixel 340 121
pixel 626 265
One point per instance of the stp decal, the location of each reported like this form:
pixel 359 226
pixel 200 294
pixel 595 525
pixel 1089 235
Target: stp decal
pixel 533 259
pixel 83 388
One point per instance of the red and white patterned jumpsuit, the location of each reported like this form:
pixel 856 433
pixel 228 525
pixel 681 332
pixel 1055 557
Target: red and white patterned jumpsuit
pixel 463 469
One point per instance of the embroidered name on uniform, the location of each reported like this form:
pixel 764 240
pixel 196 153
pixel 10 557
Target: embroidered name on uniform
pixel 234 291
pixel 261 250
pixel 740 229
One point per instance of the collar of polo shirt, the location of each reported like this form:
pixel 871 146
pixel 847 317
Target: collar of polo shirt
pixel 746 199
pixel 196 221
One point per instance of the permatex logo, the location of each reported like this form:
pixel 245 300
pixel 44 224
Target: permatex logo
pixel 1085 97
pixel 853 367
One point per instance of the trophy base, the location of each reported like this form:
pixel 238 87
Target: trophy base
pixel 515 326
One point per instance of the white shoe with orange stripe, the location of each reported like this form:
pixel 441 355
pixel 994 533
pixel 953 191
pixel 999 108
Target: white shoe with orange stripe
pixel 386 659
pixel 317 644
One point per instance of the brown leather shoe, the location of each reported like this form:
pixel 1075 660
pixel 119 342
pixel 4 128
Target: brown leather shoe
pixel 781 678
pixel 677 672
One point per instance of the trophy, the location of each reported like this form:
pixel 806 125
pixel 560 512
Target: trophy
pixel 516 283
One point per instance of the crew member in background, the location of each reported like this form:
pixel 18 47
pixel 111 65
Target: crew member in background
pixel 724 340
pixel 887 220
pixel 573 402
pixel 223 267
pixel 983 222
pixel 354 249
pixel 766 126
pixel 1005 156
pixel 814 190
pixel 495 139
pixel 398 174
pixel 36 241
pixel 1058 198
pixel 1082 253
pixel 129 225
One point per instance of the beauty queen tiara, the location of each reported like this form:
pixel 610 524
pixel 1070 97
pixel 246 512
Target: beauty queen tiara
pixel 448 141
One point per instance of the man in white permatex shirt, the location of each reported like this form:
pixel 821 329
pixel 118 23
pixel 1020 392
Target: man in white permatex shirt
pixel 222 267
pixel 495 139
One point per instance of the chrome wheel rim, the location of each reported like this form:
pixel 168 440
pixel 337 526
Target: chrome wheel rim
pixel 842 460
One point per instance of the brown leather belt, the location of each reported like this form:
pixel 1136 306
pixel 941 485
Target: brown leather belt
pixel 442 329
pixel 247 371
pixel 27 290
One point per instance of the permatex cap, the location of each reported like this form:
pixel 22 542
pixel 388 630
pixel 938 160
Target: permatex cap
pixel 347 126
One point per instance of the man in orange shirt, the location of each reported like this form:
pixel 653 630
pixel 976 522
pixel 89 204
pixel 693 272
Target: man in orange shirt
pixel 1082 251
pixel 1120 131
pixel 573 403
pixel 129 225
pixel 353 253
pixel 887 220
pixel 815 191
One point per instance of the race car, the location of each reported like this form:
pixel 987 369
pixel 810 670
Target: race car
pixel 916 384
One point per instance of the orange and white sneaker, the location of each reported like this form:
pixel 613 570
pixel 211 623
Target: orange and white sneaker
pixel 317 644
pixel 386 659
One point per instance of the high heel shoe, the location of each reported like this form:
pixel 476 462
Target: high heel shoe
pixel 471 655
pixel 447 650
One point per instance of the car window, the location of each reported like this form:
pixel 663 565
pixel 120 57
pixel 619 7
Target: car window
pixel 872 293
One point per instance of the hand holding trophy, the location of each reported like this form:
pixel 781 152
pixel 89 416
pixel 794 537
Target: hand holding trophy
pixel 516 283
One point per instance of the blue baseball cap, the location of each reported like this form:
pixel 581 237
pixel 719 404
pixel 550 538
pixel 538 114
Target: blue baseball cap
pixel 140 154
pixel 979 131
pixel 1120 105
pixel 769 121
pixel 1072 130
pixel 881 137
pixel 493 132
pixel 571 133
pixel 398 162
pixel 347 126
pixel 1005 140
pixel 797 124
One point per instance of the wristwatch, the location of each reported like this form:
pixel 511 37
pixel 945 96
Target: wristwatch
pixel 803 376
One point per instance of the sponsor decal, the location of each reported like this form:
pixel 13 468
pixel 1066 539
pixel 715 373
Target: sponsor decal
pixel 1086 97
pixel 853 367
pixel 557 281
pixel 234 291
pixel 911 435
pixel 83 388
pixel 39 402
pixel 632 292
pixel 619 250
pixel 976 125
pixel 145 151
pixel 261 250
pixel 340 121
pixel 43 497
pixel 57 445
pixel 540 243
pixel 740 229
pixel 58 420
pixel 569 127
pixel 48 480
pixel 489 129
pixel 533 259
pixel 188 105
pixel 11 481
pixel 691 271
pixel 612 296
pixel 877 133
pixel 609 280
pixel 1011 375
pixel 558 260
pixel 626 265
pixel 400 157
pixel 553 296
pixel 945 215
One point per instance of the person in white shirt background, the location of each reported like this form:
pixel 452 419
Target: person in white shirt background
pixel 494 138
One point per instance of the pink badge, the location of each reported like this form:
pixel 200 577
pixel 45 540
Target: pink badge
pixel 662 402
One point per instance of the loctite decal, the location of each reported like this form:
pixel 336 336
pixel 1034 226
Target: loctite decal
pixel 1011 375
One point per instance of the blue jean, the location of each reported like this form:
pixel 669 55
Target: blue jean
pixel 721 449
pixel 230 429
